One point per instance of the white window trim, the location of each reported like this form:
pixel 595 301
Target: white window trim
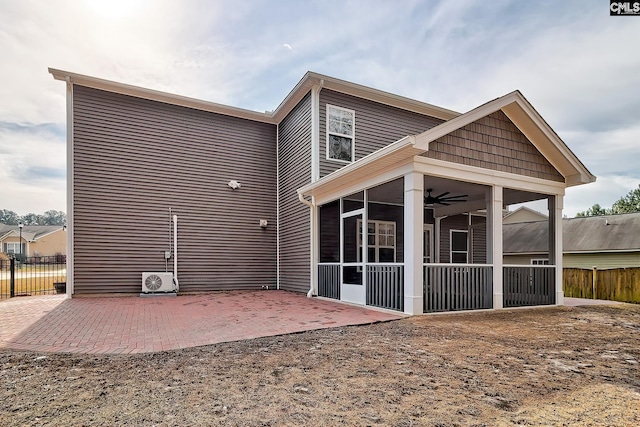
pixel 13 245
pixel 451 251
pixel 429 228
pixel 353 136
pixel 377 244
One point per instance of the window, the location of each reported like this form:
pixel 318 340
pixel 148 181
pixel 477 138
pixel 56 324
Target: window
pixel 541 261
pixel 459 246
pixel 12 248
pixel 381 241
pixel 340 134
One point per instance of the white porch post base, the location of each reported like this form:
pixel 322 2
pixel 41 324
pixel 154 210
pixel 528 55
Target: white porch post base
pixel 560 298
pixel 413 305
pixel 497 300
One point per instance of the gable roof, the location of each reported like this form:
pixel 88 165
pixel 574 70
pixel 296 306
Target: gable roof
pixel 523 214
pixel 514 105
pixel 531 124
pixel 30 233
pixel 308 81
pixel 609 233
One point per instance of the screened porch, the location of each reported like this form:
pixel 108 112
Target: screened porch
pixel 368 239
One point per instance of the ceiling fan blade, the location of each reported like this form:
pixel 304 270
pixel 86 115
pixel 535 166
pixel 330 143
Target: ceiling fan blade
pixel 443 194
pixel 461 196
pixel 444 203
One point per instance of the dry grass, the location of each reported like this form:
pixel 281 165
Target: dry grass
pixel 32 285
pixel 556 366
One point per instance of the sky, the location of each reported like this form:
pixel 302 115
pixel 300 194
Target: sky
pixel 578 66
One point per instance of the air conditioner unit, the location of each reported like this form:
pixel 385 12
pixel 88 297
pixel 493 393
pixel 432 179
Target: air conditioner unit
pixel 157 282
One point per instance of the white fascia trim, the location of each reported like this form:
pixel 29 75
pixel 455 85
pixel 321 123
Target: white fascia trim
pixel 404 143
pixel 155 95
pixel 423 139
pixel 580 176
pixel 70 185
pixel 443 169
pixel 35 239
pixel 387 98
pixel 310 79
pixel 315 132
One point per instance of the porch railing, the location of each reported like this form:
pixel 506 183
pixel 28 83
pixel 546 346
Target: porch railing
pixel 329 280
pixel 454 287
pixel 527 285
pixel 385 285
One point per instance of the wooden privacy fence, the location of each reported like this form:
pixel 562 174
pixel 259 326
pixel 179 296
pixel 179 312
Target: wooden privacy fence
pixel 616 284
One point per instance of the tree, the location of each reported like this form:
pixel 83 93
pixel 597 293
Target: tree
pixel 32 219
pixel 594 210
pixel 627 204
pixel 53 217
pixel 8 217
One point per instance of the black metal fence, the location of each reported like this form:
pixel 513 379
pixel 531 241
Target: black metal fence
pixel 25 276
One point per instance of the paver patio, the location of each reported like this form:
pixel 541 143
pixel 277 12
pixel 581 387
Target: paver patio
pixel 138 325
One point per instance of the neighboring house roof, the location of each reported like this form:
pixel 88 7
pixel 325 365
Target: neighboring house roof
pixel 309 80
pixel 609 233
pixel 30 233
pixel 523 214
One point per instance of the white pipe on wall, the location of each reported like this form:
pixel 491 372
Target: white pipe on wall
pixel 175 253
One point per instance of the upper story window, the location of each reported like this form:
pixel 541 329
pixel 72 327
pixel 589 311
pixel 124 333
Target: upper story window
pixel 340 134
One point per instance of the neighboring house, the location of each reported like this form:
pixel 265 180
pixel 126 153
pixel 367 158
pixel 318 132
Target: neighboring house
pixel 37 240
pixel 611 241
pixel 331 158
pixel 523 214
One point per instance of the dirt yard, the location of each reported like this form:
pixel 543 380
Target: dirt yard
pixel 555 366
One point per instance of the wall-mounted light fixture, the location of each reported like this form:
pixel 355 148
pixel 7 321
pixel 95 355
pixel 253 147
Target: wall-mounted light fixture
pixel 234 184
pixel 264 223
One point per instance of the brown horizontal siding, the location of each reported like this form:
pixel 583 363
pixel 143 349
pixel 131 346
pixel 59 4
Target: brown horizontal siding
pixel 376 125
pixel 134 159
pixel 495 143
pixel 295 171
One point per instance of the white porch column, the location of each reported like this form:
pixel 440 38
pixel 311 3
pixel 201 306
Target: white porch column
pixel 556 204
pixel 413 234
pixel 496 257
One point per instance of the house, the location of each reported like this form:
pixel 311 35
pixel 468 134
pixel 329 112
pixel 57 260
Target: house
pixel 288 198
pixel 37 240
pixel 610 241
pixel 523 214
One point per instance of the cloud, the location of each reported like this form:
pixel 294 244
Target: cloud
pixel 288 46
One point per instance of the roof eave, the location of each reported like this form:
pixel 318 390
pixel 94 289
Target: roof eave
pixel 392 153
pixel 155 95
pixel 527 119
pixel 311 79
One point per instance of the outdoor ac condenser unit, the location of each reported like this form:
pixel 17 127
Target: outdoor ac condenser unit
pixel 157 282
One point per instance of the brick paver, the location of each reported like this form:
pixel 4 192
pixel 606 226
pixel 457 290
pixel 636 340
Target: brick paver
pixel 139 325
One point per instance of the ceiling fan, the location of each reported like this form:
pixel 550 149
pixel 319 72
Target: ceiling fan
pixel 443 199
